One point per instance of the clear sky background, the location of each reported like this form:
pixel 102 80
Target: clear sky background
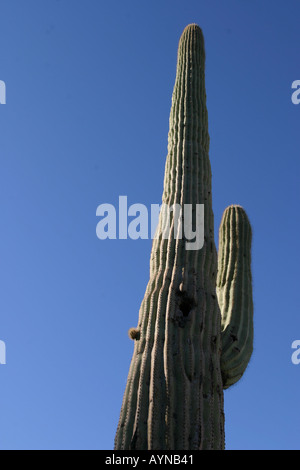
pixel 89 87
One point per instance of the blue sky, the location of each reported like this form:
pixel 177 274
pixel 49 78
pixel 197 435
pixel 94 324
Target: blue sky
pixel 88 91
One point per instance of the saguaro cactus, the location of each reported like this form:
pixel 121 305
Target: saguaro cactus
pixel 195 331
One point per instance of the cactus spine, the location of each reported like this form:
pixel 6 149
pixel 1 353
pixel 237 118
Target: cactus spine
pixel 195 321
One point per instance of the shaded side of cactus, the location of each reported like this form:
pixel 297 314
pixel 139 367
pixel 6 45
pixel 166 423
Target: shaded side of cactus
pixel 185 354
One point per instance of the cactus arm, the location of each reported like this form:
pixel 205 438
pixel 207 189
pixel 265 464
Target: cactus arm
pixel 234 290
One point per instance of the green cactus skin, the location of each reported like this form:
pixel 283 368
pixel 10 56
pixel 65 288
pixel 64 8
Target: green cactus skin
pixel 173 398
pixel 234 291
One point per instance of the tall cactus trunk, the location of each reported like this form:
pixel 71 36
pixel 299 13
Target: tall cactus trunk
pixel 174 393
